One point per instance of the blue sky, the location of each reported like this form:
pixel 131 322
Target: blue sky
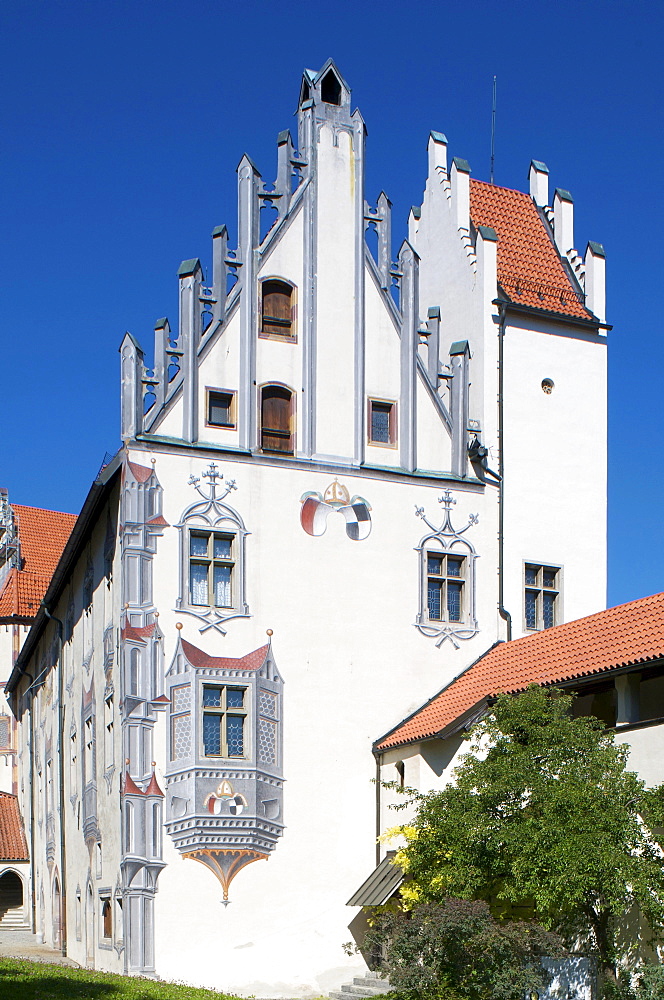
pixel 123 123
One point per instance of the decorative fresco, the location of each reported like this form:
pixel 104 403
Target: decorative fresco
pixel 224 779
pixel 447 579
pixel 316 509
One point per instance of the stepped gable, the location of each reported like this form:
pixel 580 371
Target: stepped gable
pixel 530 270
pixel 618 637
pixel 13 845
pixel 43 535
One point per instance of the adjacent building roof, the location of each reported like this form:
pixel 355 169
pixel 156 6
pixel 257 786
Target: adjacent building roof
pixel 381 884
pixel 13 845
pixel 619 637
pixel 42 536
pixel 530 269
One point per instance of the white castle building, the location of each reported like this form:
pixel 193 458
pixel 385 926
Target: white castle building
pixel 218 650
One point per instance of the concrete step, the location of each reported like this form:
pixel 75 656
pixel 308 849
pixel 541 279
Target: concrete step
pixel 369 985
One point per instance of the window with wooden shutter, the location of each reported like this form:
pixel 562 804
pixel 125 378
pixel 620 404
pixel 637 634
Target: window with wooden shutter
pixel 276 418
pixel 277 309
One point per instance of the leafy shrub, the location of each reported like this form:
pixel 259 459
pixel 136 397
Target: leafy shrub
pixel 456 950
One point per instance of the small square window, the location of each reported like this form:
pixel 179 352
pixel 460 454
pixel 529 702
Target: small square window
pixel 382 423
pixel 221 407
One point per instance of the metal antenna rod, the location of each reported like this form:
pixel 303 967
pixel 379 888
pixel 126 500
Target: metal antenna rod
pixel 493 129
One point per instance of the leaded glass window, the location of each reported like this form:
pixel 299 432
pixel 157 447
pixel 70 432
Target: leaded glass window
pixel 211 565
pixel 224 717
pixel 445 579
pixel 541 595
pixel 382 422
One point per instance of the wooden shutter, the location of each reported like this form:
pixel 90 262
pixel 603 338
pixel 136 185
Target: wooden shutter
pixel 275 419
pixel 277 315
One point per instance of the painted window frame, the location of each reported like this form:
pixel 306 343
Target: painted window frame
pixel 210 391
pixel 286 338
pixel 292 419
pixel 223 712
pixel 539 589
pixel 211 562
pixel 444 578
pixel 105 897
pixel 393 433
pixel 216 516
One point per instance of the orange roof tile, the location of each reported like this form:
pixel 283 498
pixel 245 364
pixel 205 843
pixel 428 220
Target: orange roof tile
pixel 141 473
pixel 13 845
pixel 198 658
pixel 628 634
pixel 530 270
pixel 43 535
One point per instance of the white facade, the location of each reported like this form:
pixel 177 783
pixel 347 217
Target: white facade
pixel 334 506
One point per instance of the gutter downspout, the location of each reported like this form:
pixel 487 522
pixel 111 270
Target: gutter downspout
pixel 502 610
pixel 379 758
pixel 63 815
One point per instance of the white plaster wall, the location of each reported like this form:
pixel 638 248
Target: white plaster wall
pixel 353 665
pixel 555 466
pixel 646 752
pixel 335 290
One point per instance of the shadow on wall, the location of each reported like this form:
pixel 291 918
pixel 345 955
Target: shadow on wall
pixel 11 898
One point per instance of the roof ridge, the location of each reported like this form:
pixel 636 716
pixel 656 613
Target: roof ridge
pixel 41 510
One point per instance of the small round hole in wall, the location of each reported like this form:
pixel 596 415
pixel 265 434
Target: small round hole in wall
pixel 547 386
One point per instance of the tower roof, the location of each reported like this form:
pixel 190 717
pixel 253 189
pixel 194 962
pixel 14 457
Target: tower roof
pixel 530 270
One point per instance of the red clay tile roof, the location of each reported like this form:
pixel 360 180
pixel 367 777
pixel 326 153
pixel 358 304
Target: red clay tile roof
pixel 197 658
pixel 13 845
pixel 530 270
pixel 141 473
pixel 628 634
pixel 138 633
pixel 43 535
pixel 153 788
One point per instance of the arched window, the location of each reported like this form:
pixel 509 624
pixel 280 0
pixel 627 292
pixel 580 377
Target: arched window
pixel 277 302
pixel 277 419
pixel 330 89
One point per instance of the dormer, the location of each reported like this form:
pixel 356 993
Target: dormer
pixel 327 91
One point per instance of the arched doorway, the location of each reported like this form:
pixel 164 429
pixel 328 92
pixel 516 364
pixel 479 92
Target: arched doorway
pixel 57 913
pixel 11 900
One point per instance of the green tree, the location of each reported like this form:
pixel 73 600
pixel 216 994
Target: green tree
pixel 543 813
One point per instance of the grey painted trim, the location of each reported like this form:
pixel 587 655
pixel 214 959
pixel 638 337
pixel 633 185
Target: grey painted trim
pixel 433 395
pixel 360 246
pixel 409 339
pixel 248 179
pixel 451 541
pixel 189 328
pixel 433 346
pixel 327 463
pixel 384 293
pixel 309 291
pixel 282 225
pixel 459 405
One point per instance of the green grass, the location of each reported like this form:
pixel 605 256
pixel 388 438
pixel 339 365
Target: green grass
pixel 21 980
